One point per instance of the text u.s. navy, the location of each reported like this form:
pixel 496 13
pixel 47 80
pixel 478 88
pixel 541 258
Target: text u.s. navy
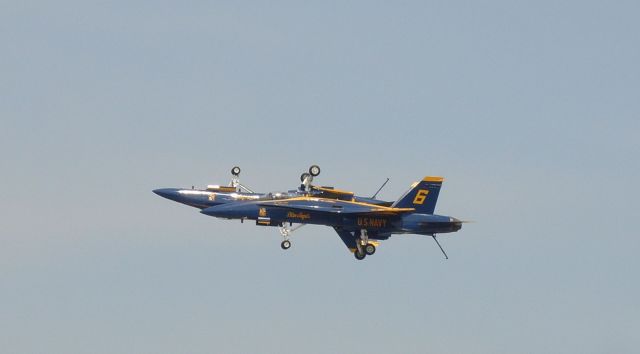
pixel 360 222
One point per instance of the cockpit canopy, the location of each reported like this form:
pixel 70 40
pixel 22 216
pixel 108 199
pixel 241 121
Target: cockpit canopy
pixel 280 195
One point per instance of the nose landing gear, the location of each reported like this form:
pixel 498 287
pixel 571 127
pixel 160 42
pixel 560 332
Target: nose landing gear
pixel 286 232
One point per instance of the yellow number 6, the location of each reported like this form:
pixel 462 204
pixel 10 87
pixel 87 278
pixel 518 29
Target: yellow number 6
pixel 421 196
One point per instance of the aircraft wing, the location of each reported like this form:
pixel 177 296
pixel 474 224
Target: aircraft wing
pixel 332 206
pixel 347 237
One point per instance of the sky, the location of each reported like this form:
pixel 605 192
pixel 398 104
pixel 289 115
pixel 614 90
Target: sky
pixel 529 109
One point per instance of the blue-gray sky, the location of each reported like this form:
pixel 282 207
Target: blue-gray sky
pixel 530 109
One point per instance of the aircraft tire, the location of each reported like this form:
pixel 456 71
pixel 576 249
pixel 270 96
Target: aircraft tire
pixel 235 171
pixel 303 176
pixel 370 249
pixel 314 170
pixel 285 244
pixel 359 256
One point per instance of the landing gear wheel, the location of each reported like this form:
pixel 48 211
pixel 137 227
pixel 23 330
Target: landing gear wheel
pixel 285 244
pixel 314 170
pixel 303 176
pixel 235 171
pixel 359 255
pixel 370 249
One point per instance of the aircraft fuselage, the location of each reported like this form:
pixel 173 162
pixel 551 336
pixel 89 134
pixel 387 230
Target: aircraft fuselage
pixel 247 206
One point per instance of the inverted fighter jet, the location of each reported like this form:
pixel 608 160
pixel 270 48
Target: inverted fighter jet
pixel 361 222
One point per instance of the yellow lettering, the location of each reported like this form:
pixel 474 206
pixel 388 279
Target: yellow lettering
pixel 302 216
pixel 371 222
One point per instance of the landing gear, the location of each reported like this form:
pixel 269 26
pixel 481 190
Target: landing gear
pixel 286 232
pixel 307 177
pixel 363 246
pixel 235 181
pixel 314 170
pixel 367 250
pixel 370 249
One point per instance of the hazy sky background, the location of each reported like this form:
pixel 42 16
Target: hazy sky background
pixel 530 109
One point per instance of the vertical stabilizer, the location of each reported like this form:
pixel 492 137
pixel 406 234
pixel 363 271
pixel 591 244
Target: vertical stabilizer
pixel 422 196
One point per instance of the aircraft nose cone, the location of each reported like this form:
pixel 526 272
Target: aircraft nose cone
pixel 169 193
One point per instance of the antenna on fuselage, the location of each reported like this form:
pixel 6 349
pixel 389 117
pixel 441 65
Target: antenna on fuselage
pixel 441 249
pixel 379 189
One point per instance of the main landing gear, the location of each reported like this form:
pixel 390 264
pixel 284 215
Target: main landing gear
pixel 370 249
pixel 363 246
pixel 307 177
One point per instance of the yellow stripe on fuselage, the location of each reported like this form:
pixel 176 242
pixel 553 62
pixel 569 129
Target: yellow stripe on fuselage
pixel 373 206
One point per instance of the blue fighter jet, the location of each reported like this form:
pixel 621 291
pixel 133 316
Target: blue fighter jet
pixel 361 222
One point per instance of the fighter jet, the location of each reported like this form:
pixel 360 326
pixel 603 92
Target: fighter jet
pixel 361 222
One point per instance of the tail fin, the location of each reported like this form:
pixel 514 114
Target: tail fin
pixel 422 196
